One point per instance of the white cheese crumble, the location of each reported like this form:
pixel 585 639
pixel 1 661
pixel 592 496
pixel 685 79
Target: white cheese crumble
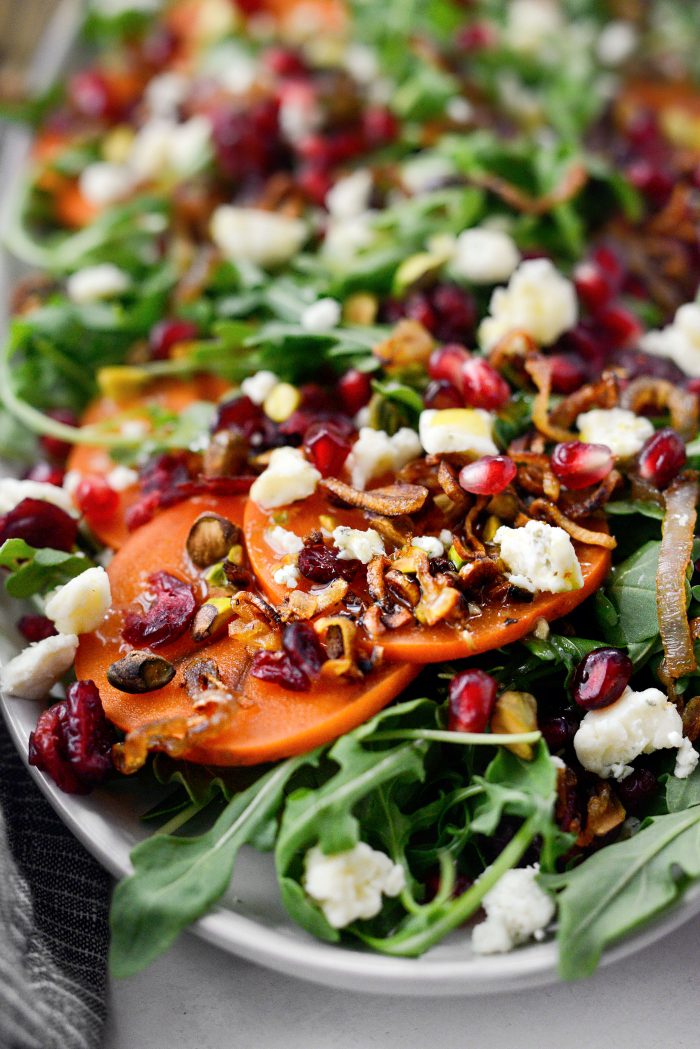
pixel 346 238
pixel 517 909
pixel 358 544
pixel 320 316
pixel 532 23
pixel 607 740
pixel 616 42
pixel 422 173
pixel 299 113
pixel 258 386
pixel 350 885
pixel 34 672
pixel 283 541
pixel 288 478
pixel 165 93
pixel 287 575
pixel 446 538
pixel 120 478
pixel 433 547
pixel 265 238
pixel 375 453
pixel 679 341
pixel 538 300
pixel 103 281
pixel 457 430
pixel 102 184
pixel 619 429
pixel 485 256
pixel 540 558
pixel 81 604
pixel 13 492
pixel 349 197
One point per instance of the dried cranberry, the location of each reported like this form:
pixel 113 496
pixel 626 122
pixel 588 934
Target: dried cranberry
pixel 559 730
pixel 472 697
pixel 47 474
pixel 482 385
pixel 380 126
pixel 247 142
pixel 240 413
pixel 36 628
pixel 54 446
pixel 279 669
pixel 651 179
pixel 170 608
pixel 319 564
pixel 328 447
pixel 168 333
pixel 355 389
pixel 96 499
pixel 73 740
pixel 142 511
pixel 39 524
pixel 601 678
pixel 488 476
pixel 440 394
pixel 637 788
pixel 578 464
pixel 446 364
pixel 300 642
pixel 662 457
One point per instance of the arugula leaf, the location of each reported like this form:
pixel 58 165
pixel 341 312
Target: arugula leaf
pixel 631 596
pixel 625 507
pixel 682 794
pixel 38 571
pixel 622 887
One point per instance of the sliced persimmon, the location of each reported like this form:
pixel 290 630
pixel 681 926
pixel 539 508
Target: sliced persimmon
pixel 72 207
pixel 171 394
pixel 271 722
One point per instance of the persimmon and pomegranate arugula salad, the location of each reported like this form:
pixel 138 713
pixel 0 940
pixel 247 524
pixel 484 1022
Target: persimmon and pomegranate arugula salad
pixel 352 394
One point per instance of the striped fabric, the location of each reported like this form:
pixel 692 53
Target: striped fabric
pixel 53 922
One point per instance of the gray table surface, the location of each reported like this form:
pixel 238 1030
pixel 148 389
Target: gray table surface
pixel 198 997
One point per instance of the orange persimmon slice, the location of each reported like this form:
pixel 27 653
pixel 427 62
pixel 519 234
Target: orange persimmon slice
pixel 272 722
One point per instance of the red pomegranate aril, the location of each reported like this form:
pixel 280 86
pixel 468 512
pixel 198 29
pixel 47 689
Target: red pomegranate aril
pixel 609 263
pixel 96 499
pixel 73 740
pixel 47 473
pixel 279 669
pixel 619 325
pixel 653 181
pixel 472 696
pixel 240 413
pixel 91 94
pixel 316 183
pixel 380 126
pixel 601 678
pixel 40 524
pixel 488 476
pixel 328 447
pixel 456 313
pixel 284 62
pixel 168 333
pixel 479 36
pixel 441 394
pixel 482 386
pixel 355 389
pixel 446 363
pixel 569 372
pixel 36 628
pixel 662 457
pixel 55 447
pixel 559 730
pixel 170 608
pixel 300 642
pixel 636 789
pixel 592 286
pixel 579 465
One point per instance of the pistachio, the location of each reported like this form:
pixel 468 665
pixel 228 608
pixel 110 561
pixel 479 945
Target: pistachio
pixel 210 539
pixel 140 672
pixel 361 308
pixel 515 712
pixel 211 618
pixel 122 382
pixel 225 455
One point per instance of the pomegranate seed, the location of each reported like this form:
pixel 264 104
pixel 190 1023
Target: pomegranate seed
pixel 619 325
pixel 419 308
pixel 447 362
pixel 662 457
pixel 643 130
pixel 91 94
pixel 284 62
pixel 171 607
pixel 279 669
pixel 559 730
pixel 168 333
pixel 456 313
pixel 579 465
pixel 592 286
pixel 96 499
pixel 569 372
pixel 54 446
pixel 319 564
pixel 328 448
pixel 247 142
pixel 652 181
pixel 36 628
pixel 471 699
pixel 609 263
pixel 637 789
pixel 238 414
pixel 301 643
pixel 316 183
pixel 482 385
pixel 47 474
pixel 39 524
pixel 479 36
pixel 315 398
pixel 380 126
pixel 441 394
pixel 355 389
pixel 601 678
pixel 73 740
pixel 587 345
pixel 488 476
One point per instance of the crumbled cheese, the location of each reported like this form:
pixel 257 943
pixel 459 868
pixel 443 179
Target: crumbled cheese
pixel 686 759
pixel 120 478
pixel 102 184
pixel 13 491
pixel 34 672
pixel 349 197
pixel 361 62
pixel 457 430
pixel 165 93
pixel 81 604
pixel 616 42
pixel 265 238
pixel 433 547
pixel 103 281
pixel 349 885
pixel 282 541
pixel 607 740
pixel 557 762
pixel 356 544
pixel 538 300
pixel 485 256
pixel 459 109
pixel 532 23
pixel 346 238
pixel 288 478
pixel 620 430
pixel 679 341
pixel 231 66
pixel 287 575
pixel 190 146
pixel 299 112
pixel 540 558
pixel 375 453
pixel 446 538
pixel 517 909
pixel 426 171
pixel 258 386
pixel 320 316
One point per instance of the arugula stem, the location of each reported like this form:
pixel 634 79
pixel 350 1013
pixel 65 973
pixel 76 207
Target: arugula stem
pixel 466 738
pixel 181 818
pixel 412 941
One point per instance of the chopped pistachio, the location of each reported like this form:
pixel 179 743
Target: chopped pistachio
pixel 454 557
pixel 211 617
pixel 140 672
pixel 210 539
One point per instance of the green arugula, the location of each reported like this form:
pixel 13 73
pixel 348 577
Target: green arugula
pixel 38 571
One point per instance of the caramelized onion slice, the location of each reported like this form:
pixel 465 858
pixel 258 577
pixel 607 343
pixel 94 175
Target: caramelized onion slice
pixel 649 394
pixel 674 558
pixel 392 501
